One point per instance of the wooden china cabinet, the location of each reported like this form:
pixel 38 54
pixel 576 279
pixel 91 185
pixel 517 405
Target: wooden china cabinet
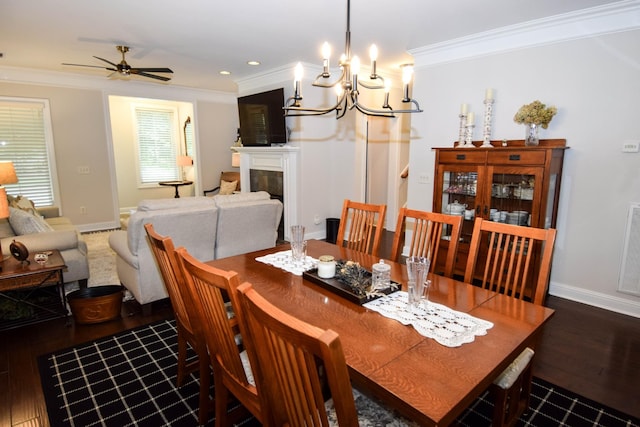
pixel 515 184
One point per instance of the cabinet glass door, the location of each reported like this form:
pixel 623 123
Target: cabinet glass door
pixel 461 195
pixel 513 194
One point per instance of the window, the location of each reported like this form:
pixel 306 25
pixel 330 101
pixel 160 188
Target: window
pixel 157 139
pixel 26 139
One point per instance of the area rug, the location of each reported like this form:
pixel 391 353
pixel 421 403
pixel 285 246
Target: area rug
pixel 129 380
pixel 102 259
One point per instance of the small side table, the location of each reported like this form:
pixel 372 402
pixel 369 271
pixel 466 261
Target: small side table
pixel 175 184
pixel 32 276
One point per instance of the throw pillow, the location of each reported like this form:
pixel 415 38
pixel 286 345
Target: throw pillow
pixel 24 223
pixel 22 203
pixel 227 187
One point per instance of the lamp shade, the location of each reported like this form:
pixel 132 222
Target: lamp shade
pixel 235 160
pixel 185 161
pixel 7 173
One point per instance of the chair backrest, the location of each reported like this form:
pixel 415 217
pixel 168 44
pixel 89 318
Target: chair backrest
pixel 511 259
pixel 361 226
pixel 288 352
pixel 231 176
pixel 208 287
pixel 164 253
pixel 227 176
pixel 427 231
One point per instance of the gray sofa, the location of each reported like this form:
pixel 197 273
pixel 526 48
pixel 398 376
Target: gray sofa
pixel 61 235
pixel 208 227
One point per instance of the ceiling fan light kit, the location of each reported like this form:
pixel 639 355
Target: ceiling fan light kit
pixel 124 69
pixel 346 87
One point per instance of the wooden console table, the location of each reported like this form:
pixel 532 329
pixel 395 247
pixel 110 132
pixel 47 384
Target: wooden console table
pixel 31 276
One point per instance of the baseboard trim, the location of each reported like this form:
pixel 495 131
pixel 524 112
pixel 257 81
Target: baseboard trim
pixel 596 299
pixel 98 226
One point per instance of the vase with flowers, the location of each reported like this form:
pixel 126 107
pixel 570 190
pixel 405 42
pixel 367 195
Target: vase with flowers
pixel 534 116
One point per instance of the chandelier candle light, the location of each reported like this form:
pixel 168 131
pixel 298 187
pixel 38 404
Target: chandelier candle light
pixel 488 112
pixel 346 86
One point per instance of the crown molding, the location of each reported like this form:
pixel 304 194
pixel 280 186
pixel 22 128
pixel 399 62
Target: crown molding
pixel 266 79
pixel 29 76
pixel 612 18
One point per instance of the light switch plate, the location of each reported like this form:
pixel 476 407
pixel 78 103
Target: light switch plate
pixel 631 146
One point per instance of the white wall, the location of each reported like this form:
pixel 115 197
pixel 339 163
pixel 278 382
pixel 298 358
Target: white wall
pixel 595 83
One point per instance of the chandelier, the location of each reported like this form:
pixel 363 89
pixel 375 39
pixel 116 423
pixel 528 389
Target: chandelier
pixel 348 85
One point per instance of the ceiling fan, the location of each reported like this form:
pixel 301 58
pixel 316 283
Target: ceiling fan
pixel 126 70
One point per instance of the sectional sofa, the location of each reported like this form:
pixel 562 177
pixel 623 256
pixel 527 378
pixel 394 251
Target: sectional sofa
pixel 208 227
pixel 43 229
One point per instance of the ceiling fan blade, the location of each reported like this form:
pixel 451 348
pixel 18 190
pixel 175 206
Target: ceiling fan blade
pixel 108 62
pixel 154 70
pixel 91 66
pixel 153 76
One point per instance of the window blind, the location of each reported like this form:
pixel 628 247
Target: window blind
pixel 23 140
pixel 156 146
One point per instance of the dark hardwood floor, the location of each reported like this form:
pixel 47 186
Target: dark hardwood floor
pixel 590 351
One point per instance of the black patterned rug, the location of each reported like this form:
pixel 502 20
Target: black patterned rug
pixel 129 380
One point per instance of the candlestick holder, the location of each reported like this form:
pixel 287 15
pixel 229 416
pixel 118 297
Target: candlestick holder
pixel 486 130
pixel 469 136
pixel 462 133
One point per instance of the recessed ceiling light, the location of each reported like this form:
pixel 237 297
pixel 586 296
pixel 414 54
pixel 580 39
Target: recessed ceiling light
pixel 225 73
pixel 253 62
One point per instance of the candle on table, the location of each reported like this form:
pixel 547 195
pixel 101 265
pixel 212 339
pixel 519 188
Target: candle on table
pixel 463 109
pixel 470 118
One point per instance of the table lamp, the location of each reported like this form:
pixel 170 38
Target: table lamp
pixel 235 160
pixel 182 162
pixel 7 176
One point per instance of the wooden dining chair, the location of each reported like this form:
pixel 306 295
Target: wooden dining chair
pixel 515 261
pixel 502 258
pixel 361 226
pixel 289 355
pixel 232 371
pixel 163 251
pixel 426 236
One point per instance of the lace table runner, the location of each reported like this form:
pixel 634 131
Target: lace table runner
pixel 448 327
pixel 285 261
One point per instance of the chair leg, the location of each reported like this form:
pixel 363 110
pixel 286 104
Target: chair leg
pixel 182 358
pixel 205 383
pixel 510 404
pixel 221 403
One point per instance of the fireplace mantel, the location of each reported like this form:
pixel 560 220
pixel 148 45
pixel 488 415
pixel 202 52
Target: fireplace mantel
pixel 280 159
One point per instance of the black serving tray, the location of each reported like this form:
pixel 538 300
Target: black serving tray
pixel 339 288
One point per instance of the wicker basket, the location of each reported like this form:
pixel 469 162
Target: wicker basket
pixel 96 304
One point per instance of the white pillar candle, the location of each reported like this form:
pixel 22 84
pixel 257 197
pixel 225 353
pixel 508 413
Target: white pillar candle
pixel 488 94
pixel 470 118
pixel 463 109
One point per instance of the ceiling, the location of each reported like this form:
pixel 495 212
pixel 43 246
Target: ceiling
pixel 199 38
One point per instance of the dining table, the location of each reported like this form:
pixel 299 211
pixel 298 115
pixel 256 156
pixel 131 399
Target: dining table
pixel 424 380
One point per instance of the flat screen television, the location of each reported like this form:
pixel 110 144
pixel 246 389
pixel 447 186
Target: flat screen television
pixel 262 121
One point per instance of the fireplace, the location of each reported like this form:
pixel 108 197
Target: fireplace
pixel 272 183
pixel 275 170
